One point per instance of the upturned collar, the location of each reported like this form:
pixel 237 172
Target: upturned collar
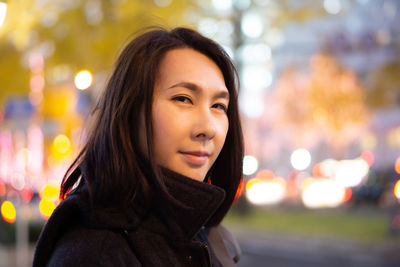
pixel 198 201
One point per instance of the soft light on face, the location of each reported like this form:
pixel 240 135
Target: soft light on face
pixel 189 113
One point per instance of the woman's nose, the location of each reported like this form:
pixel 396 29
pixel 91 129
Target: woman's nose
pixel 204 126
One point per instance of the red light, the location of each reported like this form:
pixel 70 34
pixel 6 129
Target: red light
pixel 2 189
pixel 26 194
pixel 369 157
pixel 347 194
pixel 239 191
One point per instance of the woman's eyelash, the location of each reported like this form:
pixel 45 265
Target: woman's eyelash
pixel 186 99
pixel 182 99
pixel 222 106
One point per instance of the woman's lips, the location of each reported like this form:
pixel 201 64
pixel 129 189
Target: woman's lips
pixel 196 158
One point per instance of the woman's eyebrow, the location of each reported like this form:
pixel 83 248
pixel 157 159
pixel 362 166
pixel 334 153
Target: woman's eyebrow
pixel 197 89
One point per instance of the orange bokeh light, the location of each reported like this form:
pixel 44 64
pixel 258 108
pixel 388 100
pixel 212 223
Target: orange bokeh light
pixel 240 189
pixel 397 165
pixel 316 171
pixel 265 174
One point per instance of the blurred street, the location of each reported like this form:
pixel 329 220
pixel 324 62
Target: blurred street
pixel 273 250
pixel 270 249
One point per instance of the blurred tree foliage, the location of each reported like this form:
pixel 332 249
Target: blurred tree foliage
pixel 73 34
pixel 383 86
pixel 327 104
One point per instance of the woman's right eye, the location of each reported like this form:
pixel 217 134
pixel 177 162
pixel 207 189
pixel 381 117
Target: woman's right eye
pixel 183 99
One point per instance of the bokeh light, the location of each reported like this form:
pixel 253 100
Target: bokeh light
pixel 162 3
pixel 83 79
pixel 250 165
pixel 323 193
pixel 397 189
pixel 300 159
pixel 252 182
pixel 332 6
pixel 369 157
pixel 50 192
pixel 8 211
pixel 252 24
pixel 265 174
pixel 61 146
pixel 2 189
pixel 239 191
pixel 222 4
pixel 251 104
pixel 397 165
pixel 328 167
pixel 3 11
pixel 26 194
pixel 46 208
pixel 270 192
pixel 351 172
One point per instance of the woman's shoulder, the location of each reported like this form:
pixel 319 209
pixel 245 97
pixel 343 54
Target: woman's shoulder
pixel 92 247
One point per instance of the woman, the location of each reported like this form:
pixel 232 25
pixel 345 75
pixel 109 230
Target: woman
pixel 161 166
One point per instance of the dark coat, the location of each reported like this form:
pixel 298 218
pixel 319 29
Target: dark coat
pixel 77 235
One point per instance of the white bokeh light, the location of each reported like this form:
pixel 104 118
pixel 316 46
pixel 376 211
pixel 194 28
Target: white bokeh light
pixel 250 165
pixel 323 193
pixel 252 25
pixel 256 78
pixel 350 173
pixel 251 53
pixel 83 80
pixel 300 159
pixel 328 167
pixel 251 105
pixel 207 27
pixel 3 11
pixel 266 193
pixel 332 6
pixel 222 4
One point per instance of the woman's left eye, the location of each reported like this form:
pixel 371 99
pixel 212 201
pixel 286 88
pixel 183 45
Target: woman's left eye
pixel 221 106
pixel 183 99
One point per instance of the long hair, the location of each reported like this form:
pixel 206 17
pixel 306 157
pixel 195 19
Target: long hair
pixel 112 163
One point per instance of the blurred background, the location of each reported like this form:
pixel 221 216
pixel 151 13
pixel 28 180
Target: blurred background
pixel 320 103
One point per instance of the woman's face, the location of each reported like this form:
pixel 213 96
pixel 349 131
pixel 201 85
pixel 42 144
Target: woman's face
pixel 189 113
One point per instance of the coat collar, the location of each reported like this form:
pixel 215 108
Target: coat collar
pixel 181 222
pixel 196 204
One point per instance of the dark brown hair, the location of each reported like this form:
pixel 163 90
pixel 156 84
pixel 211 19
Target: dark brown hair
pixel 111 163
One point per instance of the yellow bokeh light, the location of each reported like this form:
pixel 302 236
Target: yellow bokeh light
pixel 252 182
pixel 8 212
pixel 50 192
pixel 397 189
pixel 46 208
pixel 61 145
pixel 83 79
